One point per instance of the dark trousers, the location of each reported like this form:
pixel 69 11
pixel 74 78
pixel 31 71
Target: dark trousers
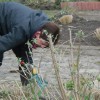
pixel 22 51
pixel 1 58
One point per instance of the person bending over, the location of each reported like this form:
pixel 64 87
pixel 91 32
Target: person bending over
pixel 19 24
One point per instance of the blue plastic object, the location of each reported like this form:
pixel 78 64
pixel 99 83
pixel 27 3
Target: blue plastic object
pixel 41 82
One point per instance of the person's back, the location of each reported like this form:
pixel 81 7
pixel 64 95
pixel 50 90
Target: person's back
pixel 13 14
pixel 19 21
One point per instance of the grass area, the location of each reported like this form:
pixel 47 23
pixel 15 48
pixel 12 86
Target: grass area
pixel 51 13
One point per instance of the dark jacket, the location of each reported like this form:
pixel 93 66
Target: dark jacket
pixel 18 23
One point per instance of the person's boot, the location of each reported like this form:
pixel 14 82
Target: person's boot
pixel 24 76
pixel 42 98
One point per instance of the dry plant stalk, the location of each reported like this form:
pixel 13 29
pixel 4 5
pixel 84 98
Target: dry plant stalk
pixel 74 79
pixel 96 93
pixel 61 88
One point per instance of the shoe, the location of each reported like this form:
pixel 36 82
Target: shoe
pixel 24 76
pixel 42 98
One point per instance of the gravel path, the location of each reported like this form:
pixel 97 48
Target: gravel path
pixel 89 63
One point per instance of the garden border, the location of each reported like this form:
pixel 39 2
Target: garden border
pixel 82 5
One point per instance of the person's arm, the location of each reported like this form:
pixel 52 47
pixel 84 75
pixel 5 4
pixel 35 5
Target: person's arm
pixel 12 39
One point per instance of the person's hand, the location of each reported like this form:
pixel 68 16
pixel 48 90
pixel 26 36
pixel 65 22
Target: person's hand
pixel 39 42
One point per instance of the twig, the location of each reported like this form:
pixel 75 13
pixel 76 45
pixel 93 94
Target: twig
pixel 63 94
pixel 72 63
pixel 21 90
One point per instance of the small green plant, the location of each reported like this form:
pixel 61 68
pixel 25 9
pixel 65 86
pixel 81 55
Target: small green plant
pixel 3 94
pixel 80 34
pixel 98 78
pixel 69 85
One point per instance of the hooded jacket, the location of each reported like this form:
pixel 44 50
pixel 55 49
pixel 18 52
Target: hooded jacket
pixel 18 23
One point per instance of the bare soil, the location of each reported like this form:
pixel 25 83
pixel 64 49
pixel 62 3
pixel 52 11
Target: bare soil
pixel 87 22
